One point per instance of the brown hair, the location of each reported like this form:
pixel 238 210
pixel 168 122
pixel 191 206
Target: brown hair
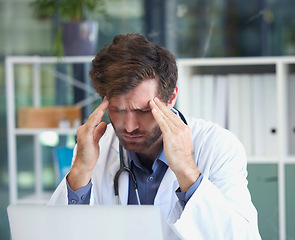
pixel 129 60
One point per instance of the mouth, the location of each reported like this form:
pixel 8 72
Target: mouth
pixel 132 138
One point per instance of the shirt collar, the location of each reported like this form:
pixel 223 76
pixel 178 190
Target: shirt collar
pixel 132 157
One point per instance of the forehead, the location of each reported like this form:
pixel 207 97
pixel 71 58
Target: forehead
pixel 138 98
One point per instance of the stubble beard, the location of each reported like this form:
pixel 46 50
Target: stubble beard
pixel 150 138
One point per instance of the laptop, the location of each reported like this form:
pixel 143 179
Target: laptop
pixel 76 222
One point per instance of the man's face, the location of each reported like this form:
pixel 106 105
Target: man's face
pixel 132 119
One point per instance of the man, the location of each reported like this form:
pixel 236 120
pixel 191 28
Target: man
pixel 195 171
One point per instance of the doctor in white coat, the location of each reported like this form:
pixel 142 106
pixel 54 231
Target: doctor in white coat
pixel 202 189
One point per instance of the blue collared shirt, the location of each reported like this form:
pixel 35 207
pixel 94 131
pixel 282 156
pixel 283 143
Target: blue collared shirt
pixel 147 182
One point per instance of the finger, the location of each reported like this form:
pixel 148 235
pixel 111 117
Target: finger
pixel 103 106
pixel 99 131
pixel 160 117
pixel 95 118
pixel 167 111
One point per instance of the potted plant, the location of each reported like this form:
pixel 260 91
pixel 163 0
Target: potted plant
pixel 76 35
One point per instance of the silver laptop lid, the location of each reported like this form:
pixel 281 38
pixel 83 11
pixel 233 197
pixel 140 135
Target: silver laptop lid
pixel 76 222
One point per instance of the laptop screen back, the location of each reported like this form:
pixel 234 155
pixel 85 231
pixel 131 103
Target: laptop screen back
pixel 76 222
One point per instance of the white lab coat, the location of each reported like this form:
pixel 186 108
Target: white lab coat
pixel 220 208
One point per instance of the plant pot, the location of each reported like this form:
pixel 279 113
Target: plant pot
pixel 79 38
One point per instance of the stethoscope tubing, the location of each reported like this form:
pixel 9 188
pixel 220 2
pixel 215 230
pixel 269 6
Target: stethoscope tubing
pixel 123 168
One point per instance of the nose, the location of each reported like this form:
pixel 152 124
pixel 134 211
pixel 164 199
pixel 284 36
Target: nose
pixel 131 122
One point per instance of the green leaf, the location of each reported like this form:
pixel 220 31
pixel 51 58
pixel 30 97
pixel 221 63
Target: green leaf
pixel 58 48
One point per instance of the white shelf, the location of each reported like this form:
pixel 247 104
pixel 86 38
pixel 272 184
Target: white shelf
pixel 190 62
pixel 41 198
pixel 36 131
pixel 262 160
pixel 270 160
pixel 290 160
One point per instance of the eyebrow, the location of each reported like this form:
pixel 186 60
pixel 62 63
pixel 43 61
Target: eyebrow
pixel 134 109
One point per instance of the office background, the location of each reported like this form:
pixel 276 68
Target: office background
pixel 189 29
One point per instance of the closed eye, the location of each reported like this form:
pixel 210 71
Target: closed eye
pixel 143 110
pixel 117 110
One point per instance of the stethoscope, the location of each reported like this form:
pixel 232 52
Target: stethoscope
pixel 129 171
pixel 131 174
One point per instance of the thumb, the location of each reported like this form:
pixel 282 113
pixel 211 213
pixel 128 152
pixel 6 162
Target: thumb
pixel 99 131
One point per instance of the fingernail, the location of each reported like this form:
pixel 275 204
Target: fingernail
pixel 157 99
pixel 152 102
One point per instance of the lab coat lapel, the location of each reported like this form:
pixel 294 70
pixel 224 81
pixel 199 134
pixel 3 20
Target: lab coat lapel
pixel 169 183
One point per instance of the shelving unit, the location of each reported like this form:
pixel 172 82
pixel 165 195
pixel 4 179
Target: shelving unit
pixel 13 131
pixel 281 68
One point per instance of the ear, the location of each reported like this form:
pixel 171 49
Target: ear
pixel 173 98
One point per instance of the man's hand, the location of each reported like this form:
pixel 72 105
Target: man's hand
pixel 177 144
pixel 88 136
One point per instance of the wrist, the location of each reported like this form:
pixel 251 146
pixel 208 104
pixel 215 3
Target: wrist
pixel 187 176
pixel 78 178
